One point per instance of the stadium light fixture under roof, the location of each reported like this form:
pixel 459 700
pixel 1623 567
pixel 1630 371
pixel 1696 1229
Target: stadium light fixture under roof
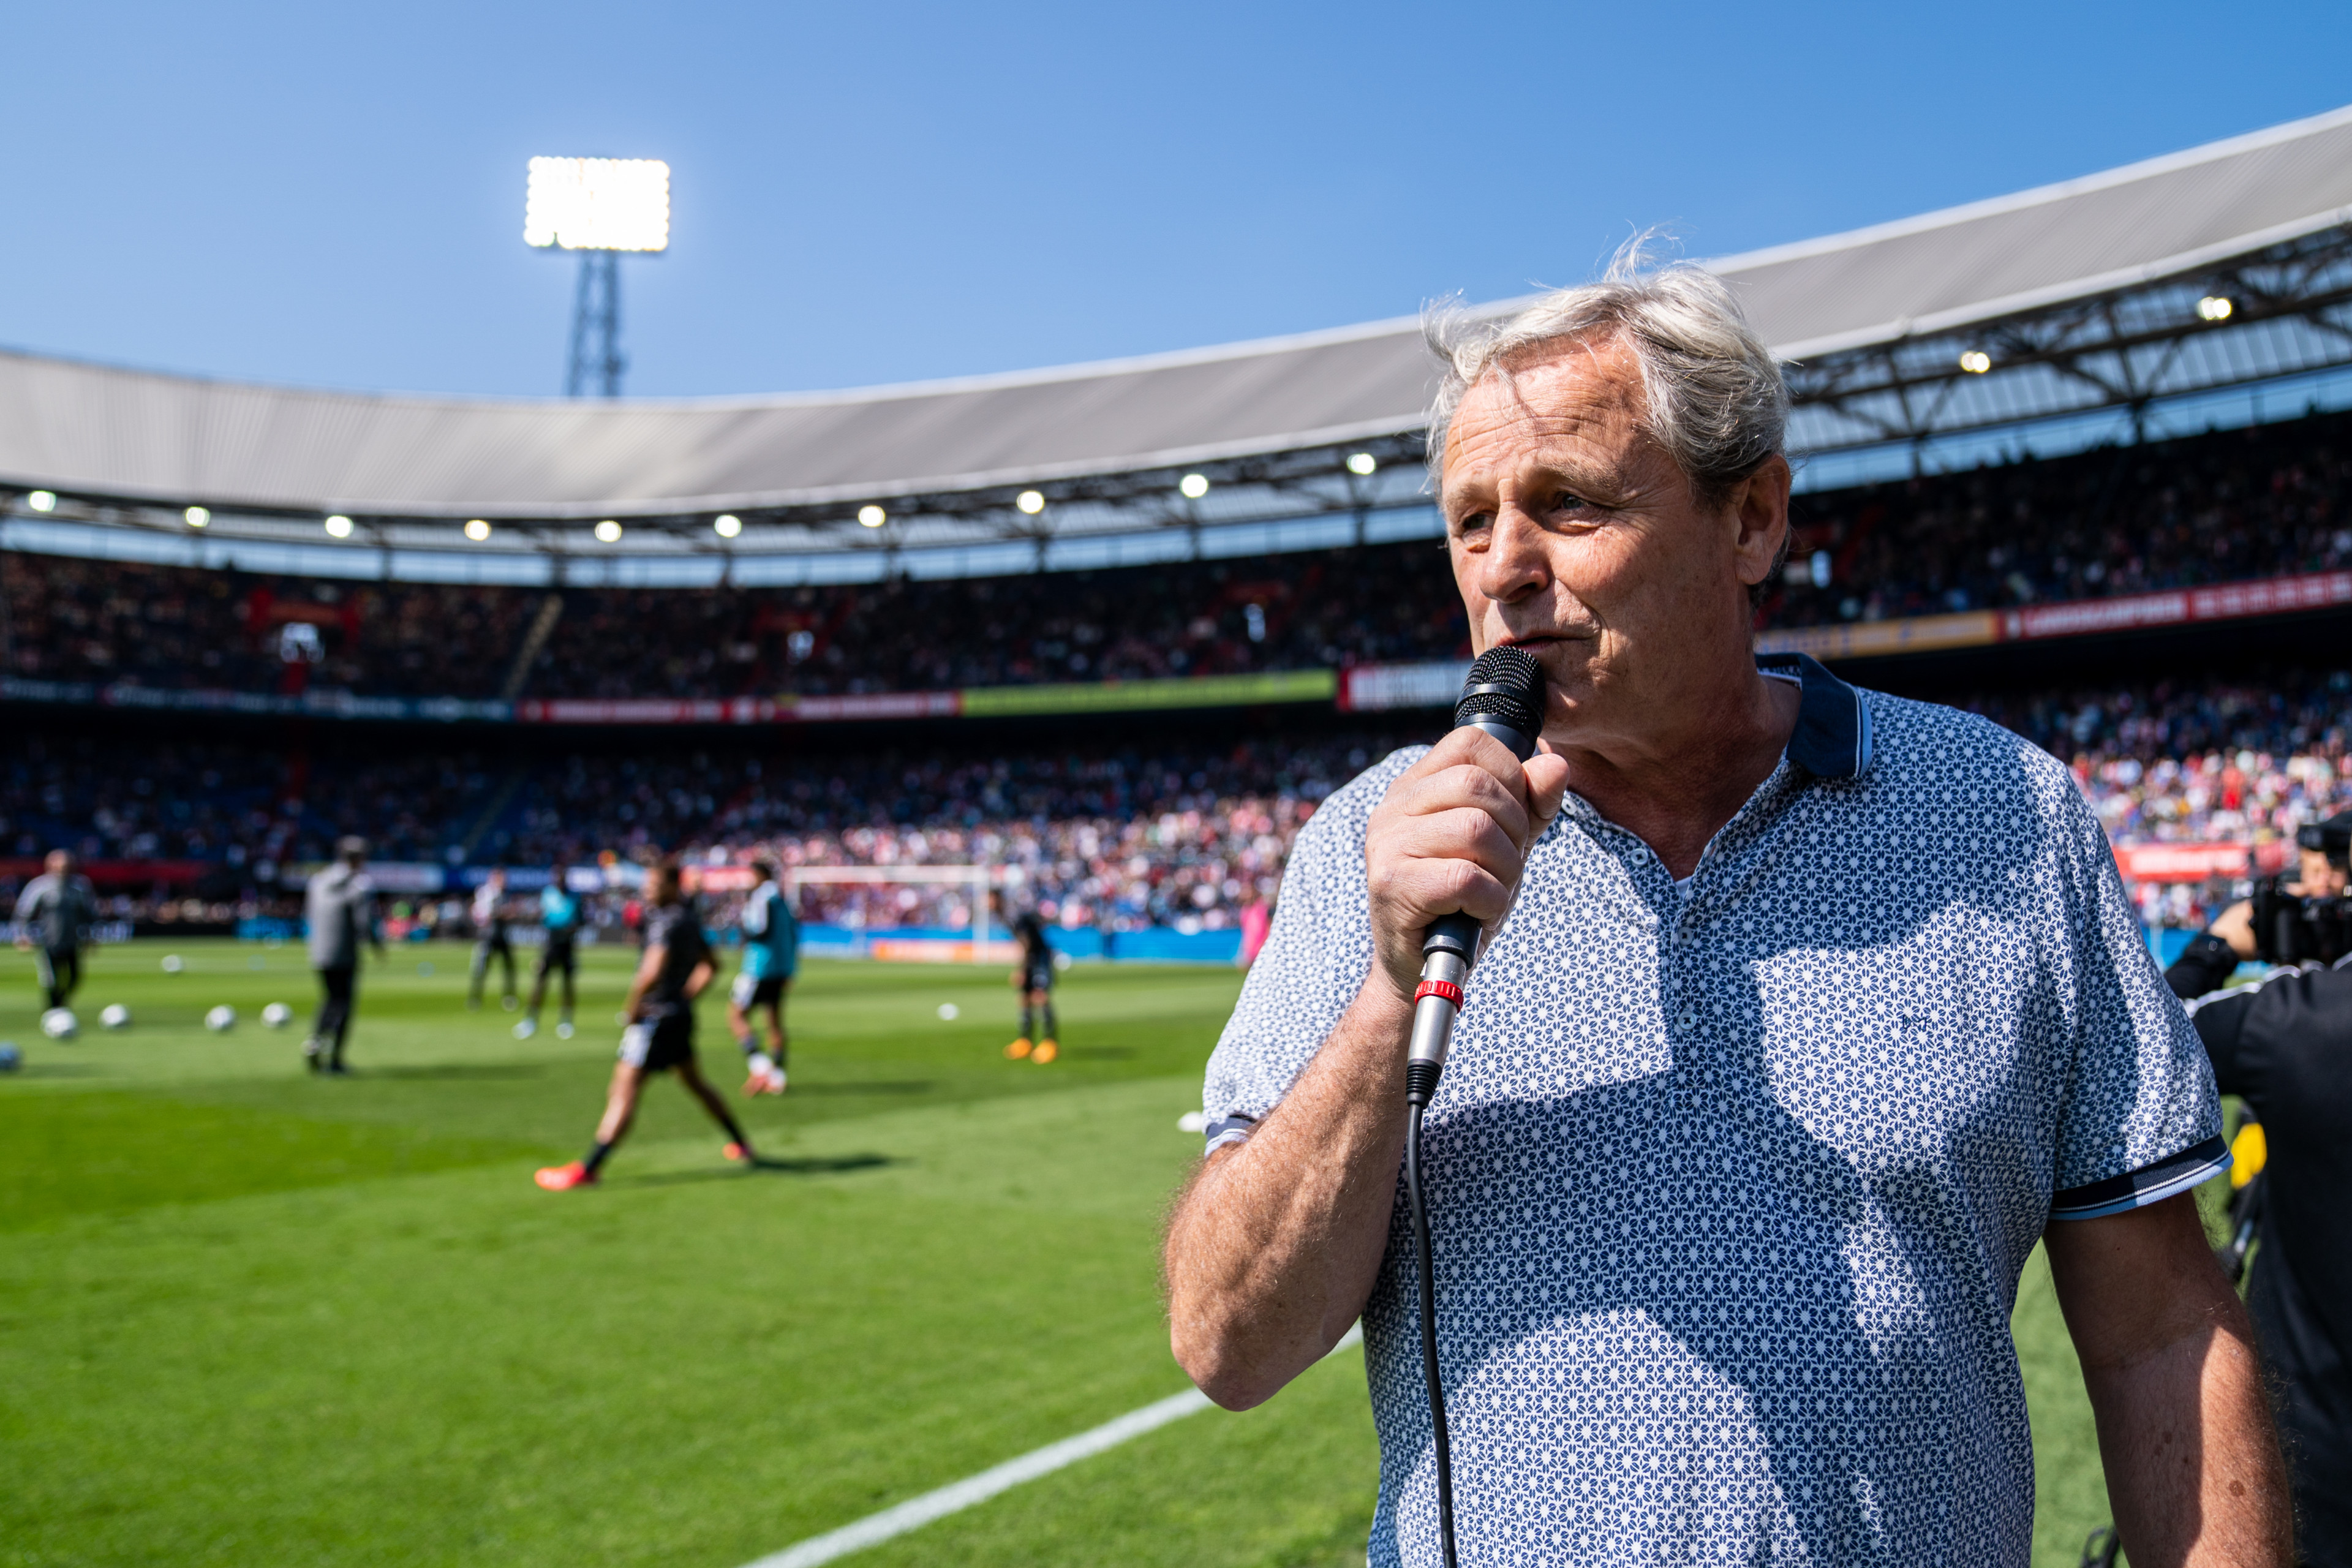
pixel 338 526
pixel 872 517
pixel 727 524
pixel 597 204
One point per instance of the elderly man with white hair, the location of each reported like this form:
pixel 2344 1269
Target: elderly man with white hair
pixel 1803 1013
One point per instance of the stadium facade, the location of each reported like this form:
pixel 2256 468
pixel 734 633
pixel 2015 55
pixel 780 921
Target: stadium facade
pixel 522 633
pixel 2094 299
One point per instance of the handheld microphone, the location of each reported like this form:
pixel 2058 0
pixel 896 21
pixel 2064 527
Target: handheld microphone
pixel 1505 698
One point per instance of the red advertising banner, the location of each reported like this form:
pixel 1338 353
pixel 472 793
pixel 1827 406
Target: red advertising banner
pixel 2198 862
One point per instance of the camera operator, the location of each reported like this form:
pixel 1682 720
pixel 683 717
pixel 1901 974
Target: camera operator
pixel 2285 1047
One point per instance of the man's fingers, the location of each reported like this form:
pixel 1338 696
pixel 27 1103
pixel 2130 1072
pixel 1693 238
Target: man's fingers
pixel 1547 780
pixel 1450 886
pixel 1464 785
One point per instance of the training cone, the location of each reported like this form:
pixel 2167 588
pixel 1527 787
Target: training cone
pixel 1018 1049
pixel 1046 1052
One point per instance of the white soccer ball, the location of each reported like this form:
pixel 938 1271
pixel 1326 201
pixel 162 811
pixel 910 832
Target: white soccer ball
pixel 115 1016
pixel 948 1012
pixel 277 1015
pixel 171 964
pixel 59 1023
pixel 221 1019
pixel 11 1058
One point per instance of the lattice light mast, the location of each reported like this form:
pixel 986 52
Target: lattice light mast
pixel 599 207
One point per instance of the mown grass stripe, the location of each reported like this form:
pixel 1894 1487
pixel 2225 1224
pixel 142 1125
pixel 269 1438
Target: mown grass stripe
pixel 916 1513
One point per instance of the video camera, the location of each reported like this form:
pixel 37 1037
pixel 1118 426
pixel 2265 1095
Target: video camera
pixel 2298 928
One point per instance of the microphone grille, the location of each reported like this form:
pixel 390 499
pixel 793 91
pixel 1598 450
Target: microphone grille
pixel 1506 684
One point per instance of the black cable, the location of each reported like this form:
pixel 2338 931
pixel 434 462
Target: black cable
pixel 1429 1330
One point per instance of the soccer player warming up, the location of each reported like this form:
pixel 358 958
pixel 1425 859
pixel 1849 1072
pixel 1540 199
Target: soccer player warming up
pixel 675 969
pixel 1034 980
pixel 559 913
pixel 491 917
pixel 772 949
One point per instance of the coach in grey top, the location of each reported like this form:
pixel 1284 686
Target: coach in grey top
pixel 54 915
pixel 338 907
pixel 1803 1013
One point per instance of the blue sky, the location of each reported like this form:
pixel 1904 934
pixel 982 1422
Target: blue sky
pixel 333 194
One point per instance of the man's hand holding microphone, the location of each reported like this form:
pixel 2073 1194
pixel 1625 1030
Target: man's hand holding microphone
pixel 1276 1249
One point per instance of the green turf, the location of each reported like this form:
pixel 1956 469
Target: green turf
pixel 248 1315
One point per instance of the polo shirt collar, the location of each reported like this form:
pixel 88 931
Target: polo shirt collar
pixel 1832 735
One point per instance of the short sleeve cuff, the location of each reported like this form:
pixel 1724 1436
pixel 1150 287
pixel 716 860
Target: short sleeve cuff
pixel 1227 1129
pixel 2148 1184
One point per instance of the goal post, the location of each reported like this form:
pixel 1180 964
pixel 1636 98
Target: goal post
pixel 981 946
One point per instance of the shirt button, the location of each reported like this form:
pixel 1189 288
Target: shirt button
pixel 1689 1019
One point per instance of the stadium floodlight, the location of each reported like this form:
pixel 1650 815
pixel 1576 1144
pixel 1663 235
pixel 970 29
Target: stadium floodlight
pixel 2215 308
pixel 197 517
pixel 599 207
pixel 597 204
pixel 1362 462
pixel 727 524
pixel 1030 501
pixel 339 526
pixel 872 516
pixel 608 531
pixel 478 529
pixel 1193 486
pixel 42 501
pixel 1975 361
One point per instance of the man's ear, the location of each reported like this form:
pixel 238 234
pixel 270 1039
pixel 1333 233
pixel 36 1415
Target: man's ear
pixel 1760 520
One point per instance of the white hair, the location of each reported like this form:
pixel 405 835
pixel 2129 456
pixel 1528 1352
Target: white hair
pixel 1716 403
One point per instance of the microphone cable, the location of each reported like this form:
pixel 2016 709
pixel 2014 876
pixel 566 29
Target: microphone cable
pixel 1504 697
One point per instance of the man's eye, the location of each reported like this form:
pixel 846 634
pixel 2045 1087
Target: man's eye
pixel 1476 522
pixel 1568 500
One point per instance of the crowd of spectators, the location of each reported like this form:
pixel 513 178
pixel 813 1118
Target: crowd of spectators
pixel 2235 504
pixel 104 622
pixel 2264 501
pixel 1183 833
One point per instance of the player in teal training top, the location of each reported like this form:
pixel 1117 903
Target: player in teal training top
pixel 559 913
pixel 772 953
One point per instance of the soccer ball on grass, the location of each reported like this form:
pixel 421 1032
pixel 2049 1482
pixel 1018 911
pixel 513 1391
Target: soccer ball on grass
pixel 221 1019
pixel 11 1058
pixel 115 1016
pixel 277 1015
pixel 59 1023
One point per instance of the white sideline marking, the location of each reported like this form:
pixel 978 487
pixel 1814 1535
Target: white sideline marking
pixel 916 1513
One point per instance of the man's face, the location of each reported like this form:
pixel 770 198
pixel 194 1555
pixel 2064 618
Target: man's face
pixel 59 862
pixel 1575 536
pixel 2319 877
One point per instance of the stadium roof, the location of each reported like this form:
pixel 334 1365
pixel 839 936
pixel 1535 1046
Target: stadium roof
pixel 126 437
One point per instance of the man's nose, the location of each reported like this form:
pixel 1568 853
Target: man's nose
pixel 1515 562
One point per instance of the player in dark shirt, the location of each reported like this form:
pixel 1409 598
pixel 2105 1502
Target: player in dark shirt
pixel 1034 978
pixel 2285 1046
pixel 677 966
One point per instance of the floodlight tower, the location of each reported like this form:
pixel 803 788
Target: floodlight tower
pixel 599 207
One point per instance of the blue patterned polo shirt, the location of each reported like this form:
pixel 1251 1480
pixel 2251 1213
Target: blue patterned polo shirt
pixel 1731 1184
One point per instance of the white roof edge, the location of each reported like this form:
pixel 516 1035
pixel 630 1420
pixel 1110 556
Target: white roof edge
pixel 1992 206
pixel 1173 359
pixel 2074 288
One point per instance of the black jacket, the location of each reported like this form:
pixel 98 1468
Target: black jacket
pixel 2285 1047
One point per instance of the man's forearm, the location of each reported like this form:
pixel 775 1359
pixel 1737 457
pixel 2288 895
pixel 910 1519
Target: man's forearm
pixel 2193 1469
pixel 2192 1462
pixel 1274 1249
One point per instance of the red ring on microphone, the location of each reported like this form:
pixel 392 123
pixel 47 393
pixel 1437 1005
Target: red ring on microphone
pixel 1445 988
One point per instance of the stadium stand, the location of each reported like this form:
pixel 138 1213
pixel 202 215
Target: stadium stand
pixel 2216 508
pixel 2223 507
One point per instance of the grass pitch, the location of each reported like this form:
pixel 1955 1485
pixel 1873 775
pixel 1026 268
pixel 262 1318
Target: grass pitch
pixel 248 1315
